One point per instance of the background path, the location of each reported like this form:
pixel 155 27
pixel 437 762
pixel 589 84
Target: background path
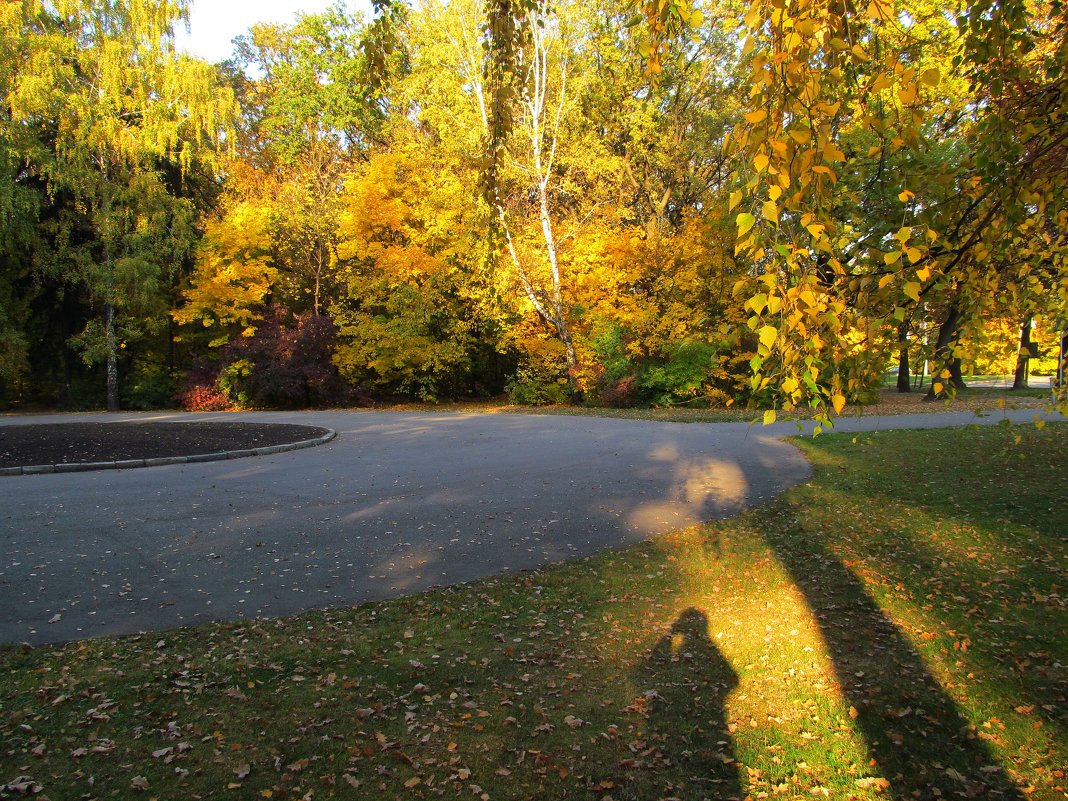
pixel 398 503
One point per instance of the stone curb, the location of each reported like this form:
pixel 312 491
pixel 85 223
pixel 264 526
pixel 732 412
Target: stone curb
pixel 128 464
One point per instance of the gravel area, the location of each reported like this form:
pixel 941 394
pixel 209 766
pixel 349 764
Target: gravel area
pixel 72 443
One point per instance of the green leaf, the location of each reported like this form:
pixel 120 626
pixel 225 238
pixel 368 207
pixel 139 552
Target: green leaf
pixel 745 222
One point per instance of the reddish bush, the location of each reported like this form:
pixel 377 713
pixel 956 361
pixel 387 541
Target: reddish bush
pixel 287 364
pixel 622 393
pixel 201 398
pixel 201 392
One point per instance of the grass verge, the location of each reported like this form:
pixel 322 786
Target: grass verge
pixel 888 402
pixel 893 629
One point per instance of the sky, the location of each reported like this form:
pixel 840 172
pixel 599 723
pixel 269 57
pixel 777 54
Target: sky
pixel 214 23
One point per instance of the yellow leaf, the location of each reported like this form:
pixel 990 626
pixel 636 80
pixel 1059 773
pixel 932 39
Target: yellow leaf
pixel 838 401
pixel 790 385
pixel 912 290
pixel 768 334
pixel 761 162
pixel 923 273
pixel 1040 423
pixel 886 279
pixel 770 211
pixel 905 196
pixel 914 254
pixel 775 192
pixel 903 234
pixel 938 387
pixel 769 417
pixel 931 77
pixel 754 117
pixel 821 170
pixel 833 153
pixel 891 257
pixel 736 198
pixel 908 94
pixel 877 10
pixel 745 222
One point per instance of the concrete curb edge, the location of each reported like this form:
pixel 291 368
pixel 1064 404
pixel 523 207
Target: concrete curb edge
pixel 197 458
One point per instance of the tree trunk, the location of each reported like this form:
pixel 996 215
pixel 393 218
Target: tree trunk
pixel 903 383
pixel 1061 362
pixel 1023 356
pixel 945 355
pixel 112 358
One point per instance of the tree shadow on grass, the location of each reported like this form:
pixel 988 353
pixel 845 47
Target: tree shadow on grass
pixel 685 682
pixel 917 739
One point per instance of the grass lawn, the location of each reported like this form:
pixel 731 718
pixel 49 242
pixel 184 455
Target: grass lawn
pixel 896 628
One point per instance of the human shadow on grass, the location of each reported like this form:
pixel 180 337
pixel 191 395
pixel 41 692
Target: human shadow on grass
pixel 685 682
pixel 917 739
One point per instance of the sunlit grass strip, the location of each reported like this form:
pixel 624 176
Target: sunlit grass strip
pixel 892 629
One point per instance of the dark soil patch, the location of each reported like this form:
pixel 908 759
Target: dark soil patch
pixel 72 443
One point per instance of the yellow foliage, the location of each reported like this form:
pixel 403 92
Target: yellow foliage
pixel 234 273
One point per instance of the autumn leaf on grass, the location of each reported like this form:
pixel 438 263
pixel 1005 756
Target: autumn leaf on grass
pixel 873 783
pixel 242 770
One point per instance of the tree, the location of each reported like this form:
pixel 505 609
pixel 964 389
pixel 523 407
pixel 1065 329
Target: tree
pixel 116 104
pixel 408 323
pixel 832 263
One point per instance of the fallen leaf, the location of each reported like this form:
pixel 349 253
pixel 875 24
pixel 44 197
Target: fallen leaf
pixel 873 783
pixel 242 770
pixel 139 783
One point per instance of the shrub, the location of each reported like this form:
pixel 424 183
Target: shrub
pixel 532 389
pixel 286 363
pixel 621 394
pixel 201 392
pixel 682 377
pixel 148 388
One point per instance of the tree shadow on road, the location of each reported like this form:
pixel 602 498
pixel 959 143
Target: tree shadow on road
pixel 917 739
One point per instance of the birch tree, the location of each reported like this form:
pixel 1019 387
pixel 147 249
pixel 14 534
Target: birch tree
pixel 124 114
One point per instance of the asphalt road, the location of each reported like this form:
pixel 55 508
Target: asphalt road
pixel 398 503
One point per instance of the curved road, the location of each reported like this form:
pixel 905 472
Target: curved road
pixel 398 503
